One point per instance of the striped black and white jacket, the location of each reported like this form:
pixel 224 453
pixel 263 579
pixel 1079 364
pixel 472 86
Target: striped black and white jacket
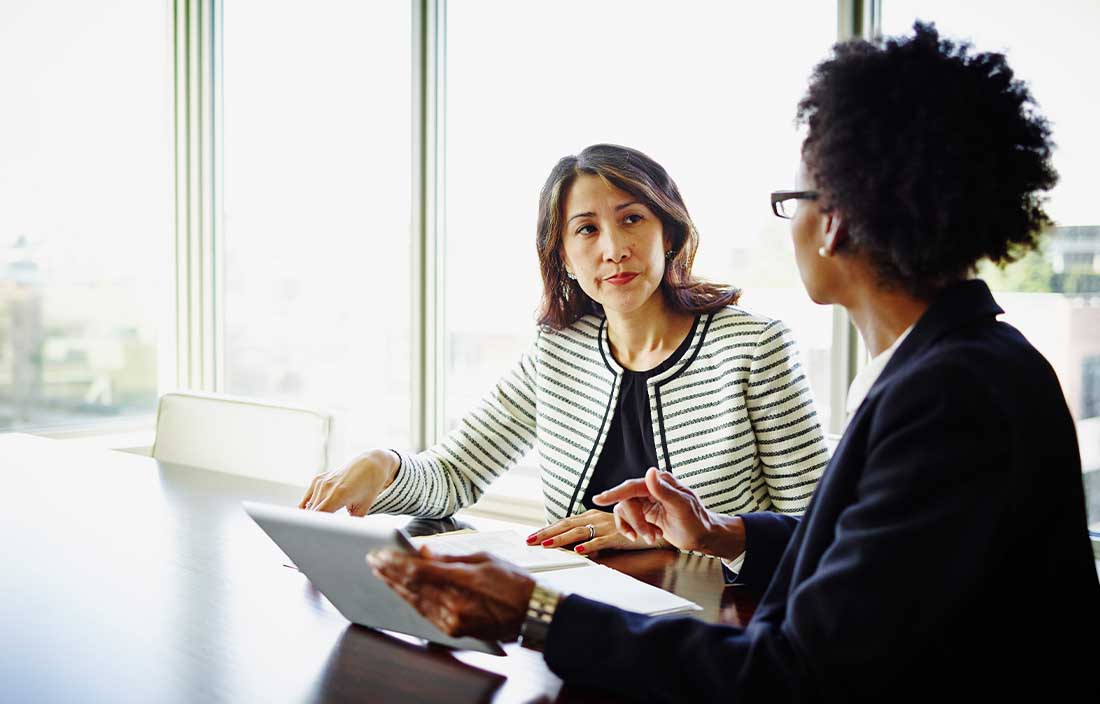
pixel 733 419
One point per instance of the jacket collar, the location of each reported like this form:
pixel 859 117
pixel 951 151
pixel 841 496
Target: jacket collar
pixel 958 305
pixel 698 334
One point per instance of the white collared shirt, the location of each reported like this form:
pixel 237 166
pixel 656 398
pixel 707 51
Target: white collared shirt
pixel 867 376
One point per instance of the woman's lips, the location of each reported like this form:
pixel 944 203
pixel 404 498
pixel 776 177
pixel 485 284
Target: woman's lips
pixel 620 279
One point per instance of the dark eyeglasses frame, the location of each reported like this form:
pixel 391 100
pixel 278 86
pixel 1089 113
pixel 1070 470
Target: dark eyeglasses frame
pixel 780 196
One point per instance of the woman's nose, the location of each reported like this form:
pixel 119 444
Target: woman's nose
pixel 616 246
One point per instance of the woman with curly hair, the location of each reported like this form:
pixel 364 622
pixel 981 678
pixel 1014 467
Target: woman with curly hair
pixel 945 551
pixel 637 364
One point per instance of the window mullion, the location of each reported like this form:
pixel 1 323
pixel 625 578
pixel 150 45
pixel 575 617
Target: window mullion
pixel 197 268
pixel 427 283
pixel 855 18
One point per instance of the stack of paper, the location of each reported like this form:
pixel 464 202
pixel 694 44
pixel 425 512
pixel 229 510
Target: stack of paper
pixel 505 544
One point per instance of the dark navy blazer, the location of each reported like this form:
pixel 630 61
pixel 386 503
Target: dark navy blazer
pixel 944 554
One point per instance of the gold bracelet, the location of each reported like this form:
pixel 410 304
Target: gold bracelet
pixel 540 612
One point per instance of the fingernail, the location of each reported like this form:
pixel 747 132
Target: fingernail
pixel 532 538
pixel 548 543
pixel 580 548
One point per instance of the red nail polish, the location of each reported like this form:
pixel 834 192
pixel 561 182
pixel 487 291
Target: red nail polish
pixel 548 543
pixel 580 548
pixel 532 538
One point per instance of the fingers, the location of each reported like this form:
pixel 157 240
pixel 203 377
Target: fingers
pixel 304 503
pixel 549 532
pixel 543 535
pixel 631 488
pixel 624 528
pixel 612 541
pixel 415 571
pixel 664 487
pixel 573 535
pixel 433 602
pixel 631 519
pixel 332 500
pixel 471 559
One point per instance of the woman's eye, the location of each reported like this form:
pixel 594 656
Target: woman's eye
pixel 586 230
pixel 632 218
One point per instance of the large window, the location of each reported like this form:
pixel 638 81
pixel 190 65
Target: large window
pixel 317 143
pixel 707 89
pixel 315 197
pixel 86 214
pixel 1053 297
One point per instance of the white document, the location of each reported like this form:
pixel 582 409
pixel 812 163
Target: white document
pixel 563 571
pixel 505 544
pixel 612 587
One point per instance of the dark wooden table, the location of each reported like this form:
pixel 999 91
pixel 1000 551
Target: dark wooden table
pixel 128 580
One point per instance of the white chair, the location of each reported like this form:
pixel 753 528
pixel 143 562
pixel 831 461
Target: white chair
pixel 242 436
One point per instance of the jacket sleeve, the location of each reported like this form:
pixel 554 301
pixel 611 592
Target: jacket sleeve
pixel 766 537
pixel 490 439
pixel 925 510
pixel 790 447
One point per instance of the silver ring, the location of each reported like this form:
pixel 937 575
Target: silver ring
pixel 591 531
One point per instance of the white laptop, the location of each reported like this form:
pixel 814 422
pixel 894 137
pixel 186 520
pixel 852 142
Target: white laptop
pixel 330 550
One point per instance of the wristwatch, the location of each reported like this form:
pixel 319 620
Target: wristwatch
pixel 540 612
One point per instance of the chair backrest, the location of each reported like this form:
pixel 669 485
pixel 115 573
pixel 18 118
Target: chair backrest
pixel 243 436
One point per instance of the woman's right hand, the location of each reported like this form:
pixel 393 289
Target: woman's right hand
pixel 355 485
pixel 658 506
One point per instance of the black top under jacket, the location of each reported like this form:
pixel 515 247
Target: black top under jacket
pixel 629 449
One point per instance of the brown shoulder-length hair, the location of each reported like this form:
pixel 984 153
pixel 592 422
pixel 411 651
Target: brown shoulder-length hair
pixel 563 301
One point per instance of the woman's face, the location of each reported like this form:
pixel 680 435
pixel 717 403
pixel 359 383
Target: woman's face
pixel 613 244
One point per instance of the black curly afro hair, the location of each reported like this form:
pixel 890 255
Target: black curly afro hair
pixel 934 155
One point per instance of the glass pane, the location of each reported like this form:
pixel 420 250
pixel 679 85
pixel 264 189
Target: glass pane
pixel 668 80
pixel 86 215
pixel 317 204
pixel 1052 297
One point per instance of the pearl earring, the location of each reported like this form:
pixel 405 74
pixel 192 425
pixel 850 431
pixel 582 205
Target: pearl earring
pixel 571 276
pixel 669 254
pixel 822 252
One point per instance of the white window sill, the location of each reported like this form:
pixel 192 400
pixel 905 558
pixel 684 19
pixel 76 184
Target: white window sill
pixel 133 435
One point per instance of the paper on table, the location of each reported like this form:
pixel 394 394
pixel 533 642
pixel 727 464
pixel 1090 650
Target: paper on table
pixel 604 584
pixel 505 544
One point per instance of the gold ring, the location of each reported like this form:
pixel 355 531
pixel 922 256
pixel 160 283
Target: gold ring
pixel 591 531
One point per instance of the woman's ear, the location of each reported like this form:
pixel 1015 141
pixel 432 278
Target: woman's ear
pixel 566 265
pixel 836 231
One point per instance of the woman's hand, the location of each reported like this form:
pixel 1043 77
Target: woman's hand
pixel 574 530
pixel 657 506
pixel 355 485
pixel 463 595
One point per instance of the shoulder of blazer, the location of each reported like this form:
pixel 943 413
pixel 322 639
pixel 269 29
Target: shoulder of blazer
pixel 583 343
pixel 733 322
pixel 732 314
pixel 584 335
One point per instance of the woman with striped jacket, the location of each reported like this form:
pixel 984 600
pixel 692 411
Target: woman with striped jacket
pixel 637 363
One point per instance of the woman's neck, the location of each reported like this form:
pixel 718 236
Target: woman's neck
pixel 643 338
pixel 881 316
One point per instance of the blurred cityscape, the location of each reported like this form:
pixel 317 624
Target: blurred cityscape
pixel 69 352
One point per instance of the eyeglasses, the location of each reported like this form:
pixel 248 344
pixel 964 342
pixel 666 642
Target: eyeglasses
pixel 785 203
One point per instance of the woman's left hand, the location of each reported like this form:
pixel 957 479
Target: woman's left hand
pixel 574 531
